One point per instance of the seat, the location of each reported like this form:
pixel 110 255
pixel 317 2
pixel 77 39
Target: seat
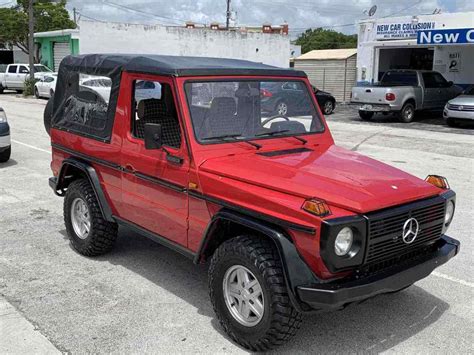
pixel 159 112
pixel 222 118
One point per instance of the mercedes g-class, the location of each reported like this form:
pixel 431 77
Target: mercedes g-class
pixel 289 222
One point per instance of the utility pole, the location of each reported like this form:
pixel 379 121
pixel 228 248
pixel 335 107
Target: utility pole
pixel 75 15
pixel 31 44
pixel 227 15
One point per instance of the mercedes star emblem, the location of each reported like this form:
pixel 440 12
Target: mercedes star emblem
pixel 410 230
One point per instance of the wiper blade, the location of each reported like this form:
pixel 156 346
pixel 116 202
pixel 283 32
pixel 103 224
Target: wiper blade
pixel 274 133
pixel 271 133
pixel 233 137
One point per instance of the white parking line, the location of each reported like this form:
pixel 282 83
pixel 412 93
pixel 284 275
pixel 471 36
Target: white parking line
pixel 453 279
pixel 32 147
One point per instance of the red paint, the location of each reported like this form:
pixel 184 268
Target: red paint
pixel 349 182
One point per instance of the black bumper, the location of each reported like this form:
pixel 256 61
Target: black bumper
pixel 338 295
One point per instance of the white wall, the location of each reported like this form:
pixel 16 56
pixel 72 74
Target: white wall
pixel 463 72
pixel 368 45
pixel 101 37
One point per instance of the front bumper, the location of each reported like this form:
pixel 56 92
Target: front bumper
pixel 4 136
pixel 465 115
pixel 337 295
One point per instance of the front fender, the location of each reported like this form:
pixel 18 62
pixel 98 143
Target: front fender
pixel 296 271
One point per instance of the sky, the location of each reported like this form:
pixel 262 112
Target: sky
pixel 339 15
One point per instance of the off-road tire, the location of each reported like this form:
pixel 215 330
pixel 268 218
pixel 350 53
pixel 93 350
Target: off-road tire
pixel 365 115
pixel 37 95
pixel 102 233
pixel 407 114
pixel 280 320
pixel 451 122
pixel 5 155
pixel 48 115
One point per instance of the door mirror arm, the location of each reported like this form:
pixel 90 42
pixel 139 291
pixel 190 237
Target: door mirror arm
pixel 153 140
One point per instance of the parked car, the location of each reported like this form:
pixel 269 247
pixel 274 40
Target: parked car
pixel 326 101
pixel 15 75
pixel 45 86
pixel 5 144
pixel 99 84
pixel 283 98
pixel 289 222
pixel 404 92
pixel 460 108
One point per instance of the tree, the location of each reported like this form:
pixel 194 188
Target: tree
pixel 49 16
pixel 320 38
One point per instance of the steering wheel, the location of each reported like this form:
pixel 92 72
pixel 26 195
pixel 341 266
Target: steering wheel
pixel 273 118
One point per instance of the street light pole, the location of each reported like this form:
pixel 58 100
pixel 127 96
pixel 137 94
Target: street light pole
pixel 227 15
pixel 31 45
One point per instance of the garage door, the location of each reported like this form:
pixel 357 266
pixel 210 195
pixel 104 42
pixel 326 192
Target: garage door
pixel 60 51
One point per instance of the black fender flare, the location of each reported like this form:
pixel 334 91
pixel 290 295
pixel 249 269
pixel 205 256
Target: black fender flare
pixel 59 184
pixel 295 269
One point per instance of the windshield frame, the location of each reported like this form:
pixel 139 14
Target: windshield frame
pixel 260 79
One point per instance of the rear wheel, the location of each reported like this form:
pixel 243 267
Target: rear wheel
pixel 86 228
pixel 365 115
pixel 281 108
pixel 407 114
pixel 48 115
pixel 51 93
pixel 249 294
pixel 1 89
pixel 328 107
pixel 5 155
pixel 19 91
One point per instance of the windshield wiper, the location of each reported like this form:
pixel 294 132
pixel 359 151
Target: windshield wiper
pixel 233 137
pixel 274 133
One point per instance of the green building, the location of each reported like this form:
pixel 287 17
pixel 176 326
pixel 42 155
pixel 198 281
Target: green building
pixel 53 46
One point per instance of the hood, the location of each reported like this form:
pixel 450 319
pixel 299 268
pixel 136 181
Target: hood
pixel 340 177
pixel 463 100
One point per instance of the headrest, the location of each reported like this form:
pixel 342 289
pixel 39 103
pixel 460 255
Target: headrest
pixel 144 106
pixel 223 103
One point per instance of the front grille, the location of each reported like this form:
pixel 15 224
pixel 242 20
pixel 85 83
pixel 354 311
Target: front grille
pixel 385 241
pixel 469 108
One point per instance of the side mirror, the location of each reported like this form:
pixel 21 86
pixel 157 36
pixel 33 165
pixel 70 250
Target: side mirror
pixel 450 83
pixel 153 136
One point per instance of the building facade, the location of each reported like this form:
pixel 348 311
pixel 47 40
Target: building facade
pixel 109 37
pixel 441 42
pixel 332 70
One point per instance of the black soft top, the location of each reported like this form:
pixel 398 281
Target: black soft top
pixel 171 65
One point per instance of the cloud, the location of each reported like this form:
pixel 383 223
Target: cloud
pixel 340 15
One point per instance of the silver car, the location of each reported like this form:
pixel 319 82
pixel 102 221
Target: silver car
pixel 460 108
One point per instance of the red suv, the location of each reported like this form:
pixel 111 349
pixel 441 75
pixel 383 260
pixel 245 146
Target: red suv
pixel 182 150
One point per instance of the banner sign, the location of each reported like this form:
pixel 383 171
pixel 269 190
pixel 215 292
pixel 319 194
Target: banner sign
pixel 454 36
pixel 401 30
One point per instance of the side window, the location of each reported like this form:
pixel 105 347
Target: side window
pixel 23 70
pixel 153 103
pixel 429 80
pixel 440 80
pixel 48 79
pixel 12 69
pixel 86 102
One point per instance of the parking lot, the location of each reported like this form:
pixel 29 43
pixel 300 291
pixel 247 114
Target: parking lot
pixel 142 297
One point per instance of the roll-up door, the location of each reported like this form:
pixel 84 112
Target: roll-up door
pixel 60 50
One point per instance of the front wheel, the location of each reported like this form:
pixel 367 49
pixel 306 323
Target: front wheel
pixel 407 114
pixel 365 115
pixel 249 294
pixel 86 228
pixel 451 122
pixel 37 95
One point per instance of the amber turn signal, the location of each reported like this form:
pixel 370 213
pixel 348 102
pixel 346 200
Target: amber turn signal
pixel 438 181
pixel 316 207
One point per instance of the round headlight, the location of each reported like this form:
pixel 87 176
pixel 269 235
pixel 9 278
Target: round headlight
pixel 448 216
pixel 343 242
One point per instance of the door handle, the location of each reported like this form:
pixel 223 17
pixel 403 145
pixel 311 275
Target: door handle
pixel 130 169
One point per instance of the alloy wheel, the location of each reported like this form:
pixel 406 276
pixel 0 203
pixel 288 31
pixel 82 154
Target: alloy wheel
pixel 282 108
pixel 80 218
pixel 243 295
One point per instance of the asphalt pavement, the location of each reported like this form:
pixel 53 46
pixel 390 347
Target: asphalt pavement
pixel 144 298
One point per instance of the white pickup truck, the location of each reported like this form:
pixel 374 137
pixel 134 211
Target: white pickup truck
pixel 15 75
pixel 404 92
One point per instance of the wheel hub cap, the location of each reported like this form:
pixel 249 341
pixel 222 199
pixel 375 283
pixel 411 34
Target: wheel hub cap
pixel 80 218
pixel 243 295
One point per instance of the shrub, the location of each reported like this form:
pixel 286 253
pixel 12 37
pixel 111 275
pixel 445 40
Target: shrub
pixel 29 87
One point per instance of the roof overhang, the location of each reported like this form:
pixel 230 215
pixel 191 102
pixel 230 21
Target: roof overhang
pixel 74 33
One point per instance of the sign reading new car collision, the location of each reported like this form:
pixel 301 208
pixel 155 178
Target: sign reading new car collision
pixel 402 30
pixel 454 36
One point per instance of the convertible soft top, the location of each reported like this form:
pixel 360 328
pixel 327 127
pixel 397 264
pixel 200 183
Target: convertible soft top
pixel 171 65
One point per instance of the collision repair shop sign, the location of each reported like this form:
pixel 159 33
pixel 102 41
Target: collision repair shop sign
pixel 454 36
pixel 401 30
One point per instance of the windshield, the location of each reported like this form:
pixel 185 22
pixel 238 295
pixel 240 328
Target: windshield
pixel 400 78
pixel 247 110
pixel 41 68
pixel 469 91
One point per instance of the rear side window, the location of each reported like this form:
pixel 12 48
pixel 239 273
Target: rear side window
pixel 153 103
pixel 400 78
pixel 85 105
pixel 12 69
